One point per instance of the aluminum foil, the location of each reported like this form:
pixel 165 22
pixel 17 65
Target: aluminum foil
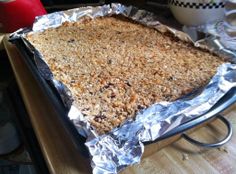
pixel 123 146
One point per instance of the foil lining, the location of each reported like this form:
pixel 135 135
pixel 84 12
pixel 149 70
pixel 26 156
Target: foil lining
pixel 123 146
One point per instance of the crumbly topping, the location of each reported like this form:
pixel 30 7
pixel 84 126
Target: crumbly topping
pixel 115 67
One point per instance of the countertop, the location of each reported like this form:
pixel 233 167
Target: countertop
pixel 182 157
pixel 62 156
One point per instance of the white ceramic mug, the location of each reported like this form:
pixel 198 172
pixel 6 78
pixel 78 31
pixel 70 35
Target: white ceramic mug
pixel 197 12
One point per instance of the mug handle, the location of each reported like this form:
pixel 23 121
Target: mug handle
pixel 230 12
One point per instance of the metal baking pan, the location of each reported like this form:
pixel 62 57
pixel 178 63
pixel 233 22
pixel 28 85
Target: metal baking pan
pixel 51 92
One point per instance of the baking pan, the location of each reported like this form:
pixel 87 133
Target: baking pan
pixel 50 91
pixel 52 94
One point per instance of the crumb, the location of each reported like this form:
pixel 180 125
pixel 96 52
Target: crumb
pixel 223 149
pixel 185 157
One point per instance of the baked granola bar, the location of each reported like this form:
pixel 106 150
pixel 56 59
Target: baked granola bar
pixel 115 67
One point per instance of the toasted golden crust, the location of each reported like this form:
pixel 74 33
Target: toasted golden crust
pixel 114 67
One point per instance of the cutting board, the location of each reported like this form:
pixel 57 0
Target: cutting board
pixel 62 156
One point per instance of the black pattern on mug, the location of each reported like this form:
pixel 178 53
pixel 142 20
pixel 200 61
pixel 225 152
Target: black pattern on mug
pixel 197 5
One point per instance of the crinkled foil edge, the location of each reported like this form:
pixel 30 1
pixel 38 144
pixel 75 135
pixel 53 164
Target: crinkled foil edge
pixel 123 146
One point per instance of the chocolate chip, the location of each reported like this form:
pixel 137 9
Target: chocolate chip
pixel 168 97
pixel 71 40
pixel 128 83
pixel 99 118
pixel 140 107
pixel 108 85
pixel 113 95
pixel 155 73
pixel 170 78
pixel 109 61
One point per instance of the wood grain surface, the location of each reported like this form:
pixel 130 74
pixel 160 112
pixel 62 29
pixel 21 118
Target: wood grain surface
pixel 62 156
pixel 182 157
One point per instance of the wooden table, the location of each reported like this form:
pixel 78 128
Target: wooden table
pixel 61 153
pixel 182 157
